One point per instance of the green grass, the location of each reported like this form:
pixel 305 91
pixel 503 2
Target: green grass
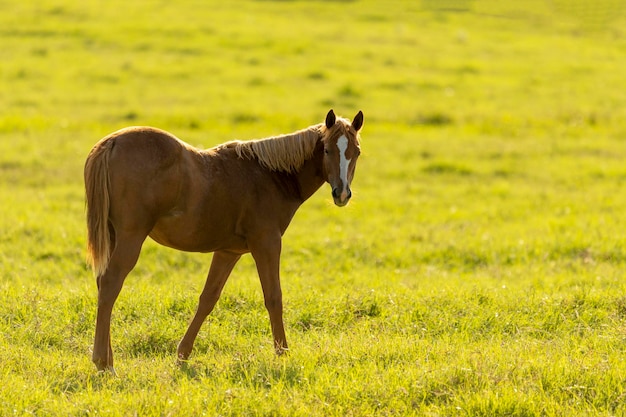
pixel 478 271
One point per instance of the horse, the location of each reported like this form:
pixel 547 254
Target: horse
pixel 232 199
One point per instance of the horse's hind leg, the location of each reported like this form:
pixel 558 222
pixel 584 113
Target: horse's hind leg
pixel 123 259
pixel 221 267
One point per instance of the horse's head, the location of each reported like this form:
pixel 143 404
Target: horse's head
pixel 341 151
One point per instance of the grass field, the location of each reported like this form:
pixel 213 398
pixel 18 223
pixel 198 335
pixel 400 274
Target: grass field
pixel 478 271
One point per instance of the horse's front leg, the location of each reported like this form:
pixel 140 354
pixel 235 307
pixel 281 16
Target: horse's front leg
pixel 221 267
pixel 266 254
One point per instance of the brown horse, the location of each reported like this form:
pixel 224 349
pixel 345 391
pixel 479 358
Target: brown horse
pixel 236 198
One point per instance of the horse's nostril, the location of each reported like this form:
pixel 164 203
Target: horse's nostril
pixel 335 193
pixel 349 193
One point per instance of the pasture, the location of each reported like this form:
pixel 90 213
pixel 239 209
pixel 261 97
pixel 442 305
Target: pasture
pixel 478 270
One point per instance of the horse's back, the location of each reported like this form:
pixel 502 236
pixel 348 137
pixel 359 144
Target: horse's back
pixel 141 148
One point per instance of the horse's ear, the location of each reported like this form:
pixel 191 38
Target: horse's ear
pixel 330 119
pixel 357 122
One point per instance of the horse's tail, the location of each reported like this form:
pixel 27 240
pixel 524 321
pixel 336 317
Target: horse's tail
pixel 97 184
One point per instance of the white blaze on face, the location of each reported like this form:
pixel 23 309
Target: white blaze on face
pixel 344 163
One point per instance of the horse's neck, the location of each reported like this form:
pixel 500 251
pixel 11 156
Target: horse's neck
pixel 311 176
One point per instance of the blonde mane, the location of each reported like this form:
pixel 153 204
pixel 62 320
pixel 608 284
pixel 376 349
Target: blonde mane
pixel 287 152
pixel 279 153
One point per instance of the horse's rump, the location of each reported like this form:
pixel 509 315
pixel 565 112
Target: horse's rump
pixel 139 167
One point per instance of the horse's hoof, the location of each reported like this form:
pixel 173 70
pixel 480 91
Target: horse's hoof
pixel 182 354
pixel 106 370
pixel 281 351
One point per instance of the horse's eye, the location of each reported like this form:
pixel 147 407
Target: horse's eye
pixel 326 151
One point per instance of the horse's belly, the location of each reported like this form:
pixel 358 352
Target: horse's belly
pixel 173 231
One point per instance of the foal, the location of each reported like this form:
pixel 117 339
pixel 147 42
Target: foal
pixel 236 198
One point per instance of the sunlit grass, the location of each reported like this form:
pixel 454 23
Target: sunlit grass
pixel 477 271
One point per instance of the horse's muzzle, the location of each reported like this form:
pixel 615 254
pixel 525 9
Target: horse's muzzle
pixel 342 198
